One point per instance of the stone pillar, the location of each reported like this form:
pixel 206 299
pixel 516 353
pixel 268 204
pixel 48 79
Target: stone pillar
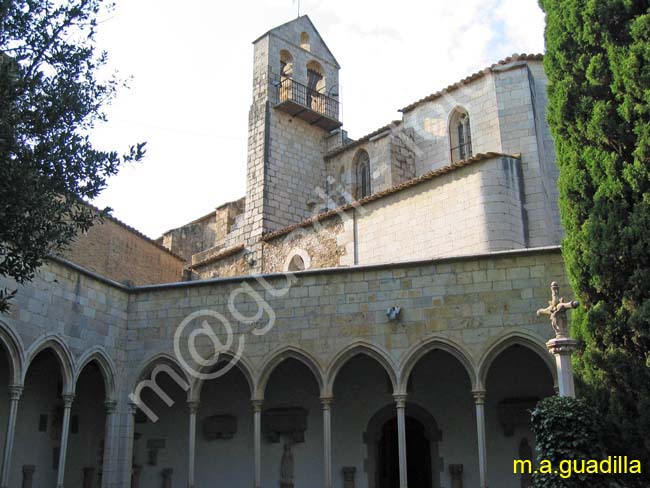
pixel 327 441
pixel 456 472
pixel 562 348
pixel 15 391
pixel 28 475
pixel 194 408
pixel 348 476
pixel 89 477
pixel 136 471
pixel 257 440
pixel 129 474
pixel 167 477
pixel 65 431
pixel 479 400
pixel 400 401
pixel 107 477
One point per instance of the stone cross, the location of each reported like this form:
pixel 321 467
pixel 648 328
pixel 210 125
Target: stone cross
pixel 557 309
pixel 562 346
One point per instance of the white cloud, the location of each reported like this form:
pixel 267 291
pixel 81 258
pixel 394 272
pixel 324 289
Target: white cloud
pixel 192 68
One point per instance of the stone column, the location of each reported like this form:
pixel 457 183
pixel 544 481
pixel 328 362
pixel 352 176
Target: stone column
pixel 456 472
pixel 327 440
pixel 107 477
pixel 65 431
pixel 129 474
pixel 15 391
pixel 167 477
pixel 479 401
pixel 257 440
pixel 562 348
pixel 28 475
pixel 89 477
pixel 400 401
pixel 194 408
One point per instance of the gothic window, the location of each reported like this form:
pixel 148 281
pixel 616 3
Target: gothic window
pixel 362 165
pixel 460 135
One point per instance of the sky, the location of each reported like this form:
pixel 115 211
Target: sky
pixel 190 69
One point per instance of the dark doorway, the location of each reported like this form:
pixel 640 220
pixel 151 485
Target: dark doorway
pixel 418 455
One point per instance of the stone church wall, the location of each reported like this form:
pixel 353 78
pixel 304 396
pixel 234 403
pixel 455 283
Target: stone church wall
pixel 119 253
pixel 473 209
pixel 429 123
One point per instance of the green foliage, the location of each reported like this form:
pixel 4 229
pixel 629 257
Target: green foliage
pixel 50 98
pixel 598 65
pixel 567 429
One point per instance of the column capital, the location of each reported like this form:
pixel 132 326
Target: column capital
pixel 400 400
pixel 562 346
pixel 15 392
pixel 110 406
pixel 326 402
pixel 479 396
pixel 193 406
pixel 257 405
pixel 68 398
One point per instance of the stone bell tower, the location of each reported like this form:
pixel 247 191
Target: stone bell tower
pixel 295 108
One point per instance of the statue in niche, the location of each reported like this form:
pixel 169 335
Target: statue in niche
pixel 286 467
pixel 526 453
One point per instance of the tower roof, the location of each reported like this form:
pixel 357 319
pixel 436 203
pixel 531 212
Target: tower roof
pixel 306 22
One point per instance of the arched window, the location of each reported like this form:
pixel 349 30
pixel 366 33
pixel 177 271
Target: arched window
pixel 460 135
pixel 304 41
pixel 286 73
pixel 315 86
pixel 362 167
pixel 297 260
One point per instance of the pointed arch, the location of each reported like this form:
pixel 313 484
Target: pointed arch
pixel 460 135
pixel 361 165
pixel 147 366
pixel 56 344
pixel 417 352
pixel 355 349
pixel 279 356
pixel 505 341
pixel 13 346
pixel 233 361
pixel 101 358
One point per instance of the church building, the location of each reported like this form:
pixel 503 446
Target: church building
pixel 363 317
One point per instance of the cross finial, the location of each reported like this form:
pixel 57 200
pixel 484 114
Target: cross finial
pixel 557 309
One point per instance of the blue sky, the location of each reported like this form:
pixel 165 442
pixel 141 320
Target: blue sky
pixel 191 69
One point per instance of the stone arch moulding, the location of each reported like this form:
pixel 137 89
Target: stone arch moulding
pixel 233 362
pixel 146 367
pixel 503 342
pixel 418 351
pixel 99 356
pixel 302 254
pixel 57 345
pixel 352 350
pixel 280 355
pixel 13 346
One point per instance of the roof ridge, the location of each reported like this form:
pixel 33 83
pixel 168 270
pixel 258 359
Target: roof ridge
pixel 502 62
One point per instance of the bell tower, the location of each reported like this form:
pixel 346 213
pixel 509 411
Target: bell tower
pixel 295 108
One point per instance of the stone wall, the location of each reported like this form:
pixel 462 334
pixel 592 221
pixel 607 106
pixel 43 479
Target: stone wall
pixel 118 252
pixel 429 123
pixel 323 243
